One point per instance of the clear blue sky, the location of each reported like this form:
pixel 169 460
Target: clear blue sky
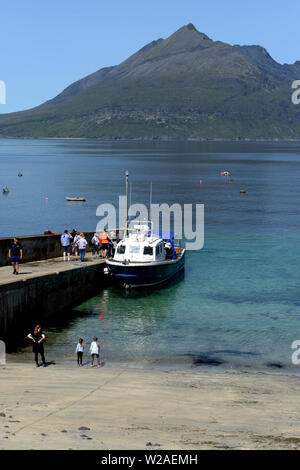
pixel 48 44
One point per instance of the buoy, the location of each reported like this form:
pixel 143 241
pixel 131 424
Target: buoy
pixel 243 191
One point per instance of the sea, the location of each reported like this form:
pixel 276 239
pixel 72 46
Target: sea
pixel 237 307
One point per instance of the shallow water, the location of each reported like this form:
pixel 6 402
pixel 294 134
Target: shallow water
pixel 238 305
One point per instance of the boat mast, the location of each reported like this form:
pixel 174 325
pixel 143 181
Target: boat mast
pixel 126 224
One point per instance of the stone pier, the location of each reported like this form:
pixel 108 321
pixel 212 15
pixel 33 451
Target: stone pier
pixel 44 289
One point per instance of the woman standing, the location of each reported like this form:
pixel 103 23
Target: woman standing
pixel 37 336
pixel 82 246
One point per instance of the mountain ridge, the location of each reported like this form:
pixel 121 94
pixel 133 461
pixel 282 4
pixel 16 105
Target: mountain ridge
pixel 185 86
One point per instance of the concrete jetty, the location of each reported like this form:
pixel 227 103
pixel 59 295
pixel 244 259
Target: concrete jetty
pixel 45 288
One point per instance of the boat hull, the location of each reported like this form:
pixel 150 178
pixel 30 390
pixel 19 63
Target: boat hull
pixel 144 274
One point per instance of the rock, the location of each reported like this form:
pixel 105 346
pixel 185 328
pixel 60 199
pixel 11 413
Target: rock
pixel 2 415
pixel 84 428
pixel 64 430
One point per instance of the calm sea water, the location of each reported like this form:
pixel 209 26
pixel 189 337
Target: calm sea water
pixel 238 306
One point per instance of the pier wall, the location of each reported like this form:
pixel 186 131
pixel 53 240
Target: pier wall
pixel 36 247
pixel 45 296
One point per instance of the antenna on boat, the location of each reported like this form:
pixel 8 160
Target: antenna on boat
pixel 130 190
pixel 126 222
pixel 150 200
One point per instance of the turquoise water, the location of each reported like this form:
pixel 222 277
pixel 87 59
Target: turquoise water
pixel 238 304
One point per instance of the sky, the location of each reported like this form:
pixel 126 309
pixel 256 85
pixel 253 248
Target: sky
pixel 47 45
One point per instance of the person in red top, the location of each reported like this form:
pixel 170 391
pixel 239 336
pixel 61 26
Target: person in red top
pixel 103 242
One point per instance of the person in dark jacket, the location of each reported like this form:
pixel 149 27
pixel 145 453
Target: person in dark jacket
pixel 37 336
pixel 15 253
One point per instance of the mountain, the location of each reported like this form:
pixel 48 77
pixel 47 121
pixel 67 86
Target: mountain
pixel 183 87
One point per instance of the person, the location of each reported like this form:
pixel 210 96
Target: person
pixel 114 247
pixel 95 351
pixel 103 240
pixel 65 240
pixel 109 249
pixel 75 244
pixel 95 244
pixel 82 246
pixel 169 252
pixel 37 336
pixel 79 351
pixel 73 235
pixel 15 253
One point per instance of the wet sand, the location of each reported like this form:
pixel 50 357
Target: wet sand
pixel 65 407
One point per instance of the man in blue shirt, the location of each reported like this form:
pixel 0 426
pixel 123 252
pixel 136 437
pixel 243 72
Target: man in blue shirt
pixel 65 241
pixel 15 253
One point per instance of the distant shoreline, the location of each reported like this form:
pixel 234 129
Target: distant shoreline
pixel 154 139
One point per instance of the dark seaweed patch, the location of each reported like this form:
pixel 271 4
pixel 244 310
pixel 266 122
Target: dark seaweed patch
pixel 274 364
pixel 206 361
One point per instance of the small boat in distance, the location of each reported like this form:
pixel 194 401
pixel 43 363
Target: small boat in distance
pixel 75 199
pixel 5 190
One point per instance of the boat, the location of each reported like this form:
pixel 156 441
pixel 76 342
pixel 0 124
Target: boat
pixel 143 258
pixel 75 199
pixel 5 190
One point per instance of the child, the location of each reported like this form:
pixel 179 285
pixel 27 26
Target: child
pixel 79 351
pixel 95 351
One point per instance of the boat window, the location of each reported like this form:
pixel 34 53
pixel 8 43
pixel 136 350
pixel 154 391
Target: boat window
pixel 134 249
pixel 159 249
pixel 121 249
pixel 148 250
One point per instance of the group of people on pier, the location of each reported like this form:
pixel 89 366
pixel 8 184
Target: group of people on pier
pixel 74 243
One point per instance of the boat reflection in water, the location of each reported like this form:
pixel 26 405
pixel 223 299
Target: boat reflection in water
pixel 145 259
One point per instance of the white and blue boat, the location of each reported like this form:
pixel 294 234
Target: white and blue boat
pixel 143 258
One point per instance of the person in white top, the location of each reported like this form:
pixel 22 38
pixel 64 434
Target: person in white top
pixel 95 351
pixel 75 244
pixel 82 246
pixel 79 350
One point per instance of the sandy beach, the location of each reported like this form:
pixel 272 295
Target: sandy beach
pixel 66 407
